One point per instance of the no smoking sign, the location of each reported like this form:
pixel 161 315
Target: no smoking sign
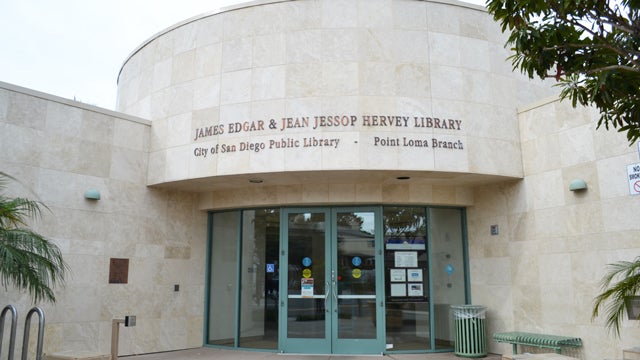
pixel 633 172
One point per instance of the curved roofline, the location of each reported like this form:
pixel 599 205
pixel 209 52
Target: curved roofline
pixel 253 3
pixel 195 18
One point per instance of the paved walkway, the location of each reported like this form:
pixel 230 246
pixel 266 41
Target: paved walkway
pixel 222 354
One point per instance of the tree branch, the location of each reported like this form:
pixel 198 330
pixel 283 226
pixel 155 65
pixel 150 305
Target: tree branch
pixel 630 55
pixel 610 18
pixel 613 67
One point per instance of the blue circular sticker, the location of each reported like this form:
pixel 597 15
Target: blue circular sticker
pixel 356 261
pixel 306 261
pixel 449 269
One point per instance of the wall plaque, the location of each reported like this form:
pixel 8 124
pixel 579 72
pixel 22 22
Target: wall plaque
pixel 118 271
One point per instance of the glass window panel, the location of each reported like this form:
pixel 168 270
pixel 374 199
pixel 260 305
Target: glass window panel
pixel 306 309
pixel 405 248
pixel 406 282
pixel 356 253
pixel 447 245
pixel 306 318
pixel 223 278
pixel 356 275
pixel 357 319
pixel 259 297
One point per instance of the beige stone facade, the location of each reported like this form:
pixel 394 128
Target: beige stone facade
pixel 325 102
pixel 272 74
pixel 58 149
pixel 543 271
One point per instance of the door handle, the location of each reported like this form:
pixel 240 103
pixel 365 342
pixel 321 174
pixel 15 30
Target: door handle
pixel 326 295
pixel 333 291
pixel 335 295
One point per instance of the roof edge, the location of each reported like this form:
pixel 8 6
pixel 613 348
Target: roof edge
pixel 73 103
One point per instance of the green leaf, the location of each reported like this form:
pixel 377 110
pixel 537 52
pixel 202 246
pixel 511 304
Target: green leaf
pixel 28 260
pixel 582 38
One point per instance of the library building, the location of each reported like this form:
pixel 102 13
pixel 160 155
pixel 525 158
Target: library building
pixel 325 177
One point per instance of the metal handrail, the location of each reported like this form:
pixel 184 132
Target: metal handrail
pixel 12 336
pixel 27 326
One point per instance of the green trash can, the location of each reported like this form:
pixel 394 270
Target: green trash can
pixel 469 330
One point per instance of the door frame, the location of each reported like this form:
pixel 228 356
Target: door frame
pixel 331 344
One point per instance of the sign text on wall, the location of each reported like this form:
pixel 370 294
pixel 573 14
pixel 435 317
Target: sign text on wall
pixel 365 123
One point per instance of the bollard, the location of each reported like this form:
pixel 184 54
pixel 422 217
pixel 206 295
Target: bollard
pixel 129 320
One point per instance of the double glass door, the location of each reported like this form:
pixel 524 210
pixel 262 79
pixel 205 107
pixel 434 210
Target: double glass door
pixel 331 267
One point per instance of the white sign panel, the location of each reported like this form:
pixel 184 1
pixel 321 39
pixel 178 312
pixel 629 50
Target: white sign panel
pixel 633 172
pixel 398 275
pixel 406 259
pixel 399 289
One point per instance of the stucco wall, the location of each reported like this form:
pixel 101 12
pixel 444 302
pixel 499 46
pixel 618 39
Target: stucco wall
pixel 58 149
pixel 542 272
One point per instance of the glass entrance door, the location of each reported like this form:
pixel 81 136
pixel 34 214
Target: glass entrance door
pixel 331 291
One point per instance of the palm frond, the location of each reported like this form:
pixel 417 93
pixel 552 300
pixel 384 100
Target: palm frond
pixel 14 212
pixel 30 261
pixel 621 280
pixel 27 259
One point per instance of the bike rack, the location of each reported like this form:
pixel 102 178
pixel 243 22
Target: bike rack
pixel 12 336
pixel 27 327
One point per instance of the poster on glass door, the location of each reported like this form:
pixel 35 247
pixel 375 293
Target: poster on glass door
pixel 306 290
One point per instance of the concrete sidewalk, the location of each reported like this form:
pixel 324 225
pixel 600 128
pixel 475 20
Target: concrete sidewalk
pixel 223 354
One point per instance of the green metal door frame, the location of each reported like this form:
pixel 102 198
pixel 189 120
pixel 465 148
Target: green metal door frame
pixel 300 345
pixel 362 346
pixel 330 344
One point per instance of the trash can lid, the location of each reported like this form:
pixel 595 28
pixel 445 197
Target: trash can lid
pixel 468 311
pixel 467 307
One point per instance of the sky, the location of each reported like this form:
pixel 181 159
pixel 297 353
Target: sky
pixel 75 48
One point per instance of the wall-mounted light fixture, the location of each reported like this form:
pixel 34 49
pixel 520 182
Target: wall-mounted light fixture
pixel 577 185
pixel 92 194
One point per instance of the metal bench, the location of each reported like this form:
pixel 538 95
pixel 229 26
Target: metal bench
pixel 554 342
